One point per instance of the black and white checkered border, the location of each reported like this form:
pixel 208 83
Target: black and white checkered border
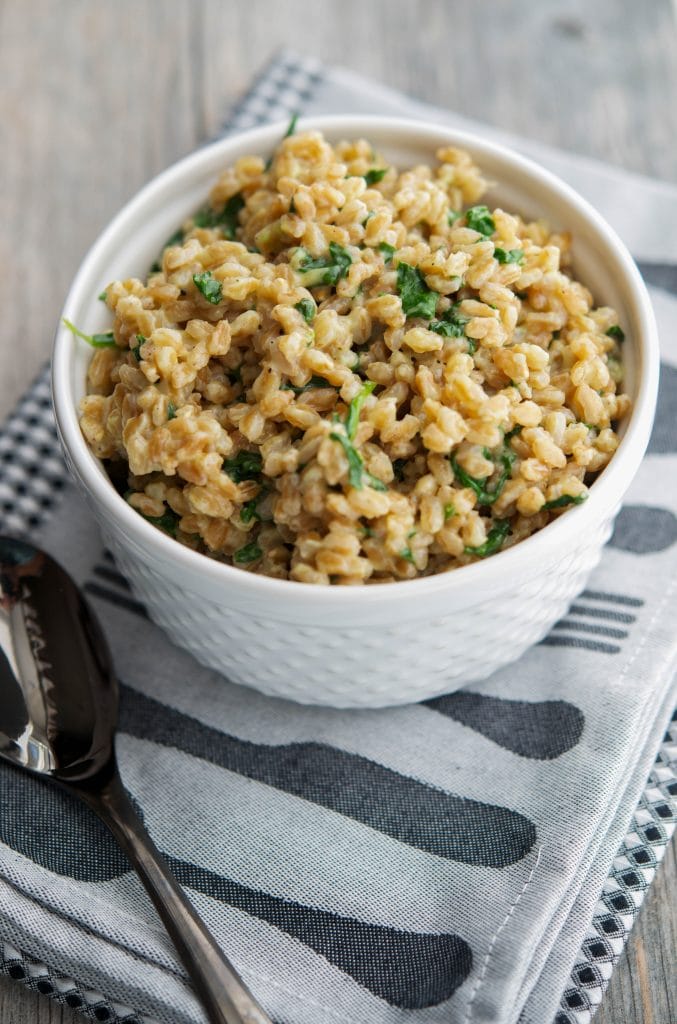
pixel 38 977
pixel 32 469
pixel 284 88
pixel 632 873
pixel 32 475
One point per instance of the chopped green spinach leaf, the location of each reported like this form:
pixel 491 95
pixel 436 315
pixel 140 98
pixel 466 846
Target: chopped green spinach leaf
pixel 250 510
pixel 323 270
pixel 387 250
pixel 227 218
pixel 373 176
pixel 407 555
pixel 497 534
pixel 171 411
pixel 210 288
pixel 563 501
pixel 355 408
pixel 355 461
pixel 451 324
pixel 168 521
pixel 103 296
pixel 484 495
pixel 449 511
pixel 136 349
pixel 249 553
pixel 243 466
pixel 307 309
pixel 417 298
pixel 509 255
pixel 616 331
pixel 356 470
pixel 291 127
pixel 314 382
pixel 105 340
pixel 479 219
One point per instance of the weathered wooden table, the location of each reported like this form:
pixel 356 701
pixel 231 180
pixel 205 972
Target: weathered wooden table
pixel 97 97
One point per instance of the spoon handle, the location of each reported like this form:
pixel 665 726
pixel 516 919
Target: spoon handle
pixel 225 997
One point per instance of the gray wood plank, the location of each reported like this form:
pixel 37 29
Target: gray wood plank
pixel 98 97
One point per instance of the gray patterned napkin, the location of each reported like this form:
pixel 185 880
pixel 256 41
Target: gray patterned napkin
pixel 477 858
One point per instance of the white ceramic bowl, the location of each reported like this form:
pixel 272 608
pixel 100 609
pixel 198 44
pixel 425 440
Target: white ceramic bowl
pixel 374 645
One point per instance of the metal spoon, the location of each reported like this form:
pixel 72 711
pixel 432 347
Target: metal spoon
pixel 58 713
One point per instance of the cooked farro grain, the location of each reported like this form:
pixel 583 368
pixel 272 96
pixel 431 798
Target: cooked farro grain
pixel 340 372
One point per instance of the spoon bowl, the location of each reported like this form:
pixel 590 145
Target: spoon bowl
pixel 58 715
pixel 59 692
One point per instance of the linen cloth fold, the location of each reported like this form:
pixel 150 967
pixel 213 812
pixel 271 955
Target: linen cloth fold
pixel 477 858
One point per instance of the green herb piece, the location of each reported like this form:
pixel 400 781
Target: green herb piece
pixel 517 429
pixel 451 324
pixel 249 553
pixel 171 411
pixel 407 555
pixel 95 340
pixel 472 346
pixel 227 218
pixel 207 217
pixel 355 408
pixel 417 298
pixel 387 250
pixel 355 461
pixel 485 496
pixel 291 128
pixel 494 541
pixel 375 175
pixel 615 331
pixel 563 501
pixel 453 216
pixel 325 269
pixel 175 239
pixel 377 484
pixel 307 309
pixel 168 521
pixel 210 288
pixel 249 510
pixel 136 349
pixel 243 466
pixel 367 531
pixel 449 511
pixel 314 382
pixel 103 296
pixel 509 255
pixel 356 470
pixel 398 468
pixel 479 219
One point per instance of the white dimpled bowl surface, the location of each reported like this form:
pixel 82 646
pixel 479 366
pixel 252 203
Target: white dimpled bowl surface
pixel 388 643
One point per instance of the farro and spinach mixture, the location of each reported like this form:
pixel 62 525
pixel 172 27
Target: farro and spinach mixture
pixel 340 371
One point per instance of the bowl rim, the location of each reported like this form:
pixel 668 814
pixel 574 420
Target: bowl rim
pixel 605 493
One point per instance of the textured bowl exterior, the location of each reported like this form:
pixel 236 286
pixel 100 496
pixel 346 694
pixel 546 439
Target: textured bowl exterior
pixel 434 650
pixel 390 643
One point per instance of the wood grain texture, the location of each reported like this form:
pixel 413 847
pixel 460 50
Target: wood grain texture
pixel 97 97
